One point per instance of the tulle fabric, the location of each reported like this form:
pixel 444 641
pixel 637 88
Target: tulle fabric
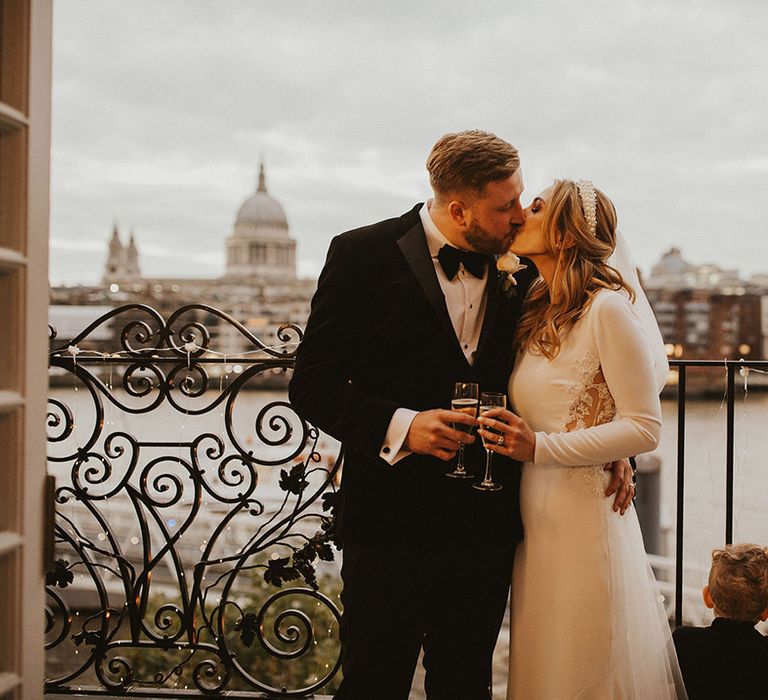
pixel 622 260
pixel 587 621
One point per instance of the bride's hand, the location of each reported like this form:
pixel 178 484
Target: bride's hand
pixel 511 435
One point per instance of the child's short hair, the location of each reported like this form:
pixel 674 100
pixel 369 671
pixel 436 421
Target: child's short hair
pixel 738 581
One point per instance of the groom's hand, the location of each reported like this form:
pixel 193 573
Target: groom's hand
pixel 432 433
pixel 620 484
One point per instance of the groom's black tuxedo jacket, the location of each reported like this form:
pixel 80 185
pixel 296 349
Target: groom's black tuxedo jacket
pixel 379 337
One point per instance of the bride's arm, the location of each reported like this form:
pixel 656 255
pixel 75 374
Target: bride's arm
pixel 627 365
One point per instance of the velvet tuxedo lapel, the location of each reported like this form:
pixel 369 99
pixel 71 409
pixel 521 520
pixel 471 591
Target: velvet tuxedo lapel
pixel 413 245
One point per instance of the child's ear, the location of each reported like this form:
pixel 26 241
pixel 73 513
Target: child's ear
pixel 764 615
pixel 705 594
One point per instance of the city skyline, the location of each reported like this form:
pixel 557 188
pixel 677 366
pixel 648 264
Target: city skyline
pixel 130 237
pixel 159 126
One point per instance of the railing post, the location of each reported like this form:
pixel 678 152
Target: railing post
pixel 680 496
pixel 648 501
pixel 729 451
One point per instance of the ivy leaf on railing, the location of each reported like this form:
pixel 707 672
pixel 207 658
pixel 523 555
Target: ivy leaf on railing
pixel 328 526
pixel 247 627
pixel 325 552
pixel 330 501
pixel 303 558
pixel 60 575
pixel 293 482
pixel 307 571
pixel 90 637
pixel 320 545
pixel 278 572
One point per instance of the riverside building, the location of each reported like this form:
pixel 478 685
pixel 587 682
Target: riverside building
pixel 707 312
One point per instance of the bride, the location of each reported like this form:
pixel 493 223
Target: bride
pixel 586 619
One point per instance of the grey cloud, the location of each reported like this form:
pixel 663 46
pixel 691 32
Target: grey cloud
pixel 161 111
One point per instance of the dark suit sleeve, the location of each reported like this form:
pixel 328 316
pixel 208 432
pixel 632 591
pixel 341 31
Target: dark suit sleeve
pixel 323 389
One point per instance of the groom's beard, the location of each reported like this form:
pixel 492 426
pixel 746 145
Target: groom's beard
pixel 484 242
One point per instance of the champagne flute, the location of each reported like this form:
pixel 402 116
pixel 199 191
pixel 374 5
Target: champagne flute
pixel 465 401
pixel 489 400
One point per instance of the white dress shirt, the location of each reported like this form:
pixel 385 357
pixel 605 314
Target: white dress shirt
pixel 465 300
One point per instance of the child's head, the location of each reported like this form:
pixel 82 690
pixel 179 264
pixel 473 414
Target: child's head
pixel 738 582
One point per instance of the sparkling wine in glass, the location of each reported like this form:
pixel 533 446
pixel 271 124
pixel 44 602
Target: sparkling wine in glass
pixel 489 400
pixel 465 400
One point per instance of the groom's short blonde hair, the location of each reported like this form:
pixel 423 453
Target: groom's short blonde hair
pixel 465 162
pixel 738 581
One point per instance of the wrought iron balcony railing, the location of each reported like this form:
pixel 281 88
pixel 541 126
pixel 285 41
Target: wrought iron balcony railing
pixel 194 516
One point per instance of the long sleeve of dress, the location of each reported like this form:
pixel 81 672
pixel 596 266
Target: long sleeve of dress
pixel 627 366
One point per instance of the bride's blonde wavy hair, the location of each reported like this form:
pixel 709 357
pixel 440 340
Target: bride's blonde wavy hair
pixel 581 269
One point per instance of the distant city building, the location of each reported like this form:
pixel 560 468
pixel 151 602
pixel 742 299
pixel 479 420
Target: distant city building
pixel 259 287
pixel 673 272
pixel 122 265
pixel 706 312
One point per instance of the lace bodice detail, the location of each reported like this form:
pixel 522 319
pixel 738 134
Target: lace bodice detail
pixel 591 400
pixel 591 404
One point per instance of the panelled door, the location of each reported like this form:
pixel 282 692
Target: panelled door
pixel 25 88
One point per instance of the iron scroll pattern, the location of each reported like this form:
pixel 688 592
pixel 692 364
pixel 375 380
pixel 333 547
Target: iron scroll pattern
pixel 184 503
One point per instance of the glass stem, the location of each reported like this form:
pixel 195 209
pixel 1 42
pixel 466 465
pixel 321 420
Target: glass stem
pixel 488 455
pixel 460 462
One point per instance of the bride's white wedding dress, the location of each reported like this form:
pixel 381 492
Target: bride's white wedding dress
pixel 586 618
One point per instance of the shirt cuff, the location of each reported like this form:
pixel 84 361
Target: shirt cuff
pixel 392 451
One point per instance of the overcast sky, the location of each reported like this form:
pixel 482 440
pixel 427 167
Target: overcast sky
pixel 162 109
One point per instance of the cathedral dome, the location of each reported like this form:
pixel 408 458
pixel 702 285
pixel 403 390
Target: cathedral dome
pixel 672 263
pixel 260 213
pixel 260 246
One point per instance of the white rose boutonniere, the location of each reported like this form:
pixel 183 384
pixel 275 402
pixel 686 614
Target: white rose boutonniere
pixel 508 265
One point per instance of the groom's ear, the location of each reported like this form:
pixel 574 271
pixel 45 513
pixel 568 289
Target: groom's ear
pixel 707 596
pixel 458 211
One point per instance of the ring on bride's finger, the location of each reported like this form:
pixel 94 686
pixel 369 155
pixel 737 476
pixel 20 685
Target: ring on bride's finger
pixel 500 441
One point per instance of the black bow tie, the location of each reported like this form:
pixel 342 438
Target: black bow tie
pixel 450 257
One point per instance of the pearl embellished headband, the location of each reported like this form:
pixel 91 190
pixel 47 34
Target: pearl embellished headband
pixel 588 204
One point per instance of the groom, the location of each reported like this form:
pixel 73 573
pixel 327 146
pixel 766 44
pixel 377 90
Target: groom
pixel 404 309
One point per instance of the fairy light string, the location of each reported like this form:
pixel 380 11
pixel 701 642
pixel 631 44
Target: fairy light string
pixel 742 461
pixel 189 348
